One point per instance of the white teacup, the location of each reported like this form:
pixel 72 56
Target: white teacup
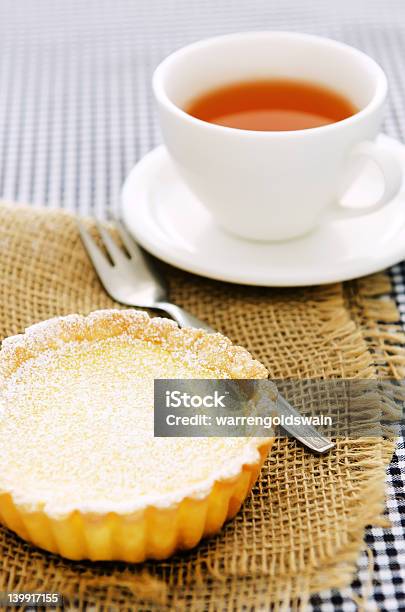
pixel 274 185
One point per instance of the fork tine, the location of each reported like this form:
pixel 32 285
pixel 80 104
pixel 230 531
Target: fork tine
pixel 127 240
pixel 116 254
pixel 98 258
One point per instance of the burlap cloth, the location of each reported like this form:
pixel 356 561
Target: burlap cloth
pixel 302 528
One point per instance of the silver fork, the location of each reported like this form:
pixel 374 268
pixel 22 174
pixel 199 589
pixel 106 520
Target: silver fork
pixel 132 279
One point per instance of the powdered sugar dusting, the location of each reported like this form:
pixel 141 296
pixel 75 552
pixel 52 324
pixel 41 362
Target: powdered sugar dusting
pixel 76 413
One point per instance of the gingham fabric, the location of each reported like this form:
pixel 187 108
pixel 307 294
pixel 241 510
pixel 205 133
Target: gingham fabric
pixel 76 113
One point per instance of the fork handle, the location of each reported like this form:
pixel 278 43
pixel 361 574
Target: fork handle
pixel 182 317
pixel 308 436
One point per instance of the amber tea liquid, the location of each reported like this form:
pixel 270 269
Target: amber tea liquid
pixel 272 105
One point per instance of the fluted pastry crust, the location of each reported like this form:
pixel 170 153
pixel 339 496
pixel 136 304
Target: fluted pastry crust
pixel 80 471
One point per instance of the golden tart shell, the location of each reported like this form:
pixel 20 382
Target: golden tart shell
pixel 156 528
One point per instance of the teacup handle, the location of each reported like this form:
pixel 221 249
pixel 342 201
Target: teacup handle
pixel 392 175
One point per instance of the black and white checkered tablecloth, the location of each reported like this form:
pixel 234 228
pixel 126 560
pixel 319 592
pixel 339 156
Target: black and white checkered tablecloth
pixel 76 113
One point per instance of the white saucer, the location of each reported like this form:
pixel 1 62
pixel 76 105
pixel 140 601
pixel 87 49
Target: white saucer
pixel 169 222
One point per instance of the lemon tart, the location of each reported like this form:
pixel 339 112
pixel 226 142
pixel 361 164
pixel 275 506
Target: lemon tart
pixel 81 473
